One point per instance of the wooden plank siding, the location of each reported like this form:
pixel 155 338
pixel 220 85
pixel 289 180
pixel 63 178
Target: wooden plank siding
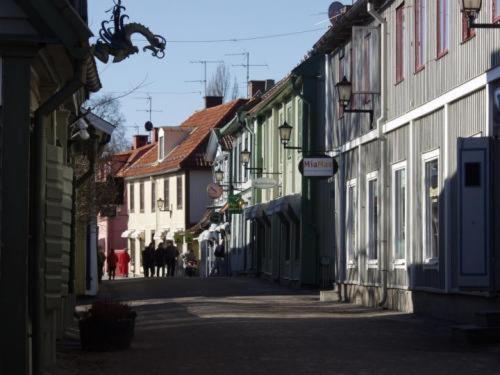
pixel 464 60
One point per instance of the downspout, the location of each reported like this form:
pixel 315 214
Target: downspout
pixel 384 253
pixel 49 106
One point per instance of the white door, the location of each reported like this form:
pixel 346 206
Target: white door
pixel 474 210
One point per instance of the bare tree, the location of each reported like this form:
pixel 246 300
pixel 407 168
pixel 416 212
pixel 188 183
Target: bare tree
pixel 109 109
pixel 236 90
pixel 218 85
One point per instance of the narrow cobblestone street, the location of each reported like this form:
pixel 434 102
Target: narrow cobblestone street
pixel 248 326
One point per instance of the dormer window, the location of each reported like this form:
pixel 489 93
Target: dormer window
pixel 161 149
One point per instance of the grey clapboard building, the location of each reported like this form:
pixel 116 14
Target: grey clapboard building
pixel 414 197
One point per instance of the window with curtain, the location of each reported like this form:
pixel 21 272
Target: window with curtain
pixel 496 10
pixel 430 181
pixel 179 192
pixel 443 26
pixel 420 33
pixel 141 196
pixel 372 218
pixel 400 34
pixel 131 197
pixel 153 196
pixel 399 213
pixel 351 221
pixel 166 192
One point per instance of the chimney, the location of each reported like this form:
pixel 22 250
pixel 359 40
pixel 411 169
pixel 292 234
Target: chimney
pixel 154 135
pixel 139 141
pixel 255 86
pixel 269 83
pixel 213 101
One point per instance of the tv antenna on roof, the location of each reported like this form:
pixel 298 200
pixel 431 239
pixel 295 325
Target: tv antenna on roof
pixel 204 63
pixel 246 65
pixel 150 109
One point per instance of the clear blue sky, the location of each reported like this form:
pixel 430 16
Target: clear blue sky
pixel 205 20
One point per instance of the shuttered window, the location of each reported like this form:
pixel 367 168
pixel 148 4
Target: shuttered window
pixel 141 196
pixel 400 33
pixel 443 27
pixel 166 192
pixel 420 33
pixel 153 196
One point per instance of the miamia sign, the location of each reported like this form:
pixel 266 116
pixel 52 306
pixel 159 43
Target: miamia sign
pixel 321 167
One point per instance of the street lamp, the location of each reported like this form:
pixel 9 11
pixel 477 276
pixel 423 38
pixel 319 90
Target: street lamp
pixel 245 157
pixel 344 91
pixel 161 203
pixel 285 131
pixel 471 9
pixel 219 175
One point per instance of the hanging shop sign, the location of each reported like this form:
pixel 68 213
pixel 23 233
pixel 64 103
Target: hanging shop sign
pixel 319 167
pixel 264 183
pixel 214 191
pixel 235 204
pixel 216 218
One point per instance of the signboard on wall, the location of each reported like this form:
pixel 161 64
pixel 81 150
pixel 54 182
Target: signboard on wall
pixel 319 167
pixel 235 204
pixel 264 183
pixel 214 191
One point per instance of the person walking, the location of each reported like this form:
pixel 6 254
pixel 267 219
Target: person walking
pixel 147 259
pixel 112 261
pixel 125 261
pixel 219 254
pixel 101 258
pixel 160 260
pixel 171 255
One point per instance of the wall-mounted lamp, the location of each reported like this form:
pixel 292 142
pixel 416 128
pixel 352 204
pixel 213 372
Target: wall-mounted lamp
pixel 81 133
pixel 162 207
pixel 245 156
pixel 285 131
pixel 344 91
pixel 471 9
pixel 219 175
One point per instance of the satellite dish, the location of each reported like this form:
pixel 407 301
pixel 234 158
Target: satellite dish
pixel 149 126
pixel 334 11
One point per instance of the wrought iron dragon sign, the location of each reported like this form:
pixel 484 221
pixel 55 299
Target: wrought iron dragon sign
pixel 116 40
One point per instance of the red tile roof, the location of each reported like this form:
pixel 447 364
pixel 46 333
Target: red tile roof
pixel 191 151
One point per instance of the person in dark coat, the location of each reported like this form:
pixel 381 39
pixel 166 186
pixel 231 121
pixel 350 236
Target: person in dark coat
pixel 112 261
pixel 147 259
pixel 171 255
pixel 101 258
pixel 160 260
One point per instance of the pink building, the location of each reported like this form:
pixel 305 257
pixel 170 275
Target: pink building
pixel 113 223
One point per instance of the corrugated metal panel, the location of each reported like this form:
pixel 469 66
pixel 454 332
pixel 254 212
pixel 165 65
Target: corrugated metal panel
pixel 463 61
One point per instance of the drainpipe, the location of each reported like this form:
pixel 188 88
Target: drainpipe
pixel 384 248
pixel 49 106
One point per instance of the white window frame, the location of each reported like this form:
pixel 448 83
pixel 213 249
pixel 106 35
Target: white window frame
pixel 398 263
pixel 426 158
pixel 371 263
pixel 352 263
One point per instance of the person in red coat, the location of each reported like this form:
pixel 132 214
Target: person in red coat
pixel 126 260
pixel 112 261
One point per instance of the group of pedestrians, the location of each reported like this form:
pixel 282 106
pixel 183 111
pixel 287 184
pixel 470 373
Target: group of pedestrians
pixel 155 260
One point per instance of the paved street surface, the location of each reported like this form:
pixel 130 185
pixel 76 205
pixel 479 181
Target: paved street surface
pixel 248 326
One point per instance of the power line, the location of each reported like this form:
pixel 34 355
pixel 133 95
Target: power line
pixel 270 36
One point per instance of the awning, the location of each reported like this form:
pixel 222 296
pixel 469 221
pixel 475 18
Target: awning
pixel 284 205
pixel 128 233
pixel 138 234
pixel 161 234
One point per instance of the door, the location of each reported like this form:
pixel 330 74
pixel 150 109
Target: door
pixel 474 201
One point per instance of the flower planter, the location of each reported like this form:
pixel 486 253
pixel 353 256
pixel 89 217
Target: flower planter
pixel 107 330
